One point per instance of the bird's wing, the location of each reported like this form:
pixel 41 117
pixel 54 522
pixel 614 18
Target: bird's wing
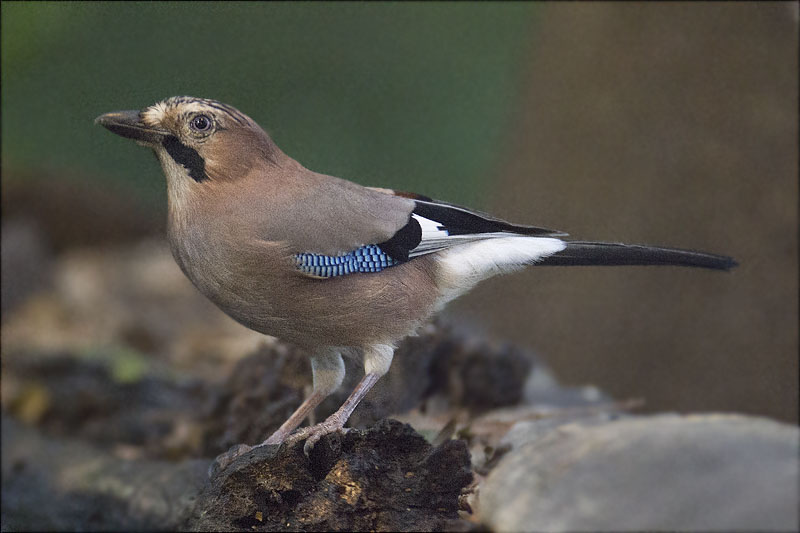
pixel 435 225
pixel 429 227
pixel 318 214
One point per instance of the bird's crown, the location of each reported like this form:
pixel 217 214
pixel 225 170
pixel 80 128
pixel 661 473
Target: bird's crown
pixel 178 110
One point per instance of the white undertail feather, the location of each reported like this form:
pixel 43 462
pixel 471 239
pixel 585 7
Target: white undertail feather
pixel 462 267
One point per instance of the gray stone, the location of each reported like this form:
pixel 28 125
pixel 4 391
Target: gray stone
pixel 543 389
pixel 664 472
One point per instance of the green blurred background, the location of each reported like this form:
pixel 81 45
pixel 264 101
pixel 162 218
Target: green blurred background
pixel 384 94
pixel 656 123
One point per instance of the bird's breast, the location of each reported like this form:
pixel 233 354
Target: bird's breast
pixel 239 274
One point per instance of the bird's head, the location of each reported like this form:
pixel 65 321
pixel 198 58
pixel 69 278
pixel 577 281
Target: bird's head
pixel 196 139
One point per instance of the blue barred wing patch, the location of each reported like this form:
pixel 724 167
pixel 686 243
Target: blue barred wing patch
pixel 369 258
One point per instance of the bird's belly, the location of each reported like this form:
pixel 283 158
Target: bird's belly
pixel 260 288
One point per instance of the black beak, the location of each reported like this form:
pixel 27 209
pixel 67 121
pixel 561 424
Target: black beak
pixel 128 124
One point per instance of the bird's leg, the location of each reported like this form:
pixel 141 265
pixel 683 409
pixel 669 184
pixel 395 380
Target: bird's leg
pixel 336 421
pixel 376 363
pixel 300 414
pixel 328 373
pixel 327 370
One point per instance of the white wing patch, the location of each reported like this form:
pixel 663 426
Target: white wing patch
pixel 430 228
pixel 435 237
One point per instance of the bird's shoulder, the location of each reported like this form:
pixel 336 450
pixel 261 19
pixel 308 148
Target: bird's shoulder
pixel 320 214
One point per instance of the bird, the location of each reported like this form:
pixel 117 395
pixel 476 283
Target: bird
pixel 333 267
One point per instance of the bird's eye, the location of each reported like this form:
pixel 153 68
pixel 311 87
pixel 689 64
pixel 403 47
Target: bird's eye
pixel 201 123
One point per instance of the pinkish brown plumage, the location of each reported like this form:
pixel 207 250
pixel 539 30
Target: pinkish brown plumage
pixel 261 236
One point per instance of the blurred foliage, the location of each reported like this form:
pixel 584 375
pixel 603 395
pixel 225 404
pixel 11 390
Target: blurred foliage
pixel 125 364
pixel 414 96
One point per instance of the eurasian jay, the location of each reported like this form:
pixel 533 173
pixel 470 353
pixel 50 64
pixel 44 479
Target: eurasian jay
pixel 333 267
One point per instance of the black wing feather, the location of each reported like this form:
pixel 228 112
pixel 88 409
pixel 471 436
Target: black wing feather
pixel 406 239
pixel 456 221
pixel 459 220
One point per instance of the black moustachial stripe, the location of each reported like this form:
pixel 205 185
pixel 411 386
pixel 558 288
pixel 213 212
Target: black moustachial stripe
pixel 406 239
pixel 186 156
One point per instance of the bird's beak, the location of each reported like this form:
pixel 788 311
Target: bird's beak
pixel 128 124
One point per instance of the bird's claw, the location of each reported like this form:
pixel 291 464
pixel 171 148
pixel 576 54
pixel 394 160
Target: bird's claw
pixel 312 434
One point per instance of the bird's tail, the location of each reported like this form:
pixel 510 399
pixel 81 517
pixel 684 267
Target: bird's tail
pixel 607 253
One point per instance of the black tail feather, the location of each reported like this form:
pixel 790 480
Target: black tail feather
pixel 607 253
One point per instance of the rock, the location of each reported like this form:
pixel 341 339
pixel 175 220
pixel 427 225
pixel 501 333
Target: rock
pixel 665 472
pixel 387 478
pixel 55 484
pixel 543 389
pixel 109 400
pixel 527 431
pixel 478 375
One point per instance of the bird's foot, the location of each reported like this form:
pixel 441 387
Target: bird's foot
pixel 224 459
pixel 312 434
